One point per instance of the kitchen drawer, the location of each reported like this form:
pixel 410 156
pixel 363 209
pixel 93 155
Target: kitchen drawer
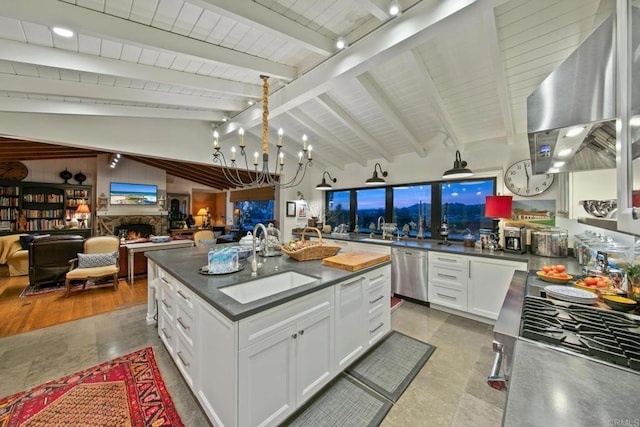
pixel 166 332
pixel 447 260
pixel 377 300
pixel 166 278
pixel 262 325
pixel 453 277
pixel 448 297
pixel 379 277
pixel 184 360
pixel 166 303
pixel 185 323
pixel 184 296
pixel 379 325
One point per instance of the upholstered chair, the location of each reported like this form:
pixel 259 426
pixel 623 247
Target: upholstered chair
pixel 99 259
pixel 204 238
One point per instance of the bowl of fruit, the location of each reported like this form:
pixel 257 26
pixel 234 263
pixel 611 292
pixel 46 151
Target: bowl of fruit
pixel 594 283
pixel 619 303
pixel 554 274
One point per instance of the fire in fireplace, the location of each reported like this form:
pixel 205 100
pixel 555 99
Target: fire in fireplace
pixel 134 231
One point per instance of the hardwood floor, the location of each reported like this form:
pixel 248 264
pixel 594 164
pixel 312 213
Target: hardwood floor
pixel 18 315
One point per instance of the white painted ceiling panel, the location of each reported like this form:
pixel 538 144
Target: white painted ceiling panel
pixel 209 57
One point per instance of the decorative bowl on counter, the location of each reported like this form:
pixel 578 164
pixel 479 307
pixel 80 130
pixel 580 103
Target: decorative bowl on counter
pixel 159 239
pixel 619 303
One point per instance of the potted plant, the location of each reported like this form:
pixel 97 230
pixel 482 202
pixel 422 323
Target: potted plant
pixel 632 271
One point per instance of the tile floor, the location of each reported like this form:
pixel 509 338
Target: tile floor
pixel 450 389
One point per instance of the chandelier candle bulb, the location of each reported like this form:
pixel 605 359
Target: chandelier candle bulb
pixel 255 158
pixel 241 132
pixel 233 154
pixel 300 157
pixel 280 133
pixel 304 142
pixel 281 159
pixel 309 153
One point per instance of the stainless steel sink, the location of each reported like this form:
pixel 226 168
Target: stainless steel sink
pixel 372 240
pixel 263 287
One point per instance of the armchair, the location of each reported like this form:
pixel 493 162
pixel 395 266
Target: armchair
pixel 100 258
pixel 49 258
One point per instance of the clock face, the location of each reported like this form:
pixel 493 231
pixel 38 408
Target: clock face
pixel 13 171
pixel 520 180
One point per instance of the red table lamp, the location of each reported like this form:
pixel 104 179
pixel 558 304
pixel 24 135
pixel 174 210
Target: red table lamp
pixel 498 207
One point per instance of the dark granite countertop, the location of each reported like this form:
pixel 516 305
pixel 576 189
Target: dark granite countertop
pixel 534 262
pixel 183 264
pixel 551 388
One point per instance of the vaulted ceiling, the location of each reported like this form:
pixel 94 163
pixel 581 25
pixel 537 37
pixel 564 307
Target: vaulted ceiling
pixel 453 72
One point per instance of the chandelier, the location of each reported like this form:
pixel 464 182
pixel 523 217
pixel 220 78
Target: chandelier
pixel 255 177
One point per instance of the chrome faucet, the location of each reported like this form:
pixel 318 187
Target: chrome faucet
pixel 380 227
pixel 255 265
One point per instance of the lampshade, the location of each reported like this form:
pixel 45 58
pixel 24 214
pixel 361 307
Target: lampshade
pixel 324 185
pixel 83 209
pixel 498 207
pixel 375 179
pixel 202 212
pixel 459 169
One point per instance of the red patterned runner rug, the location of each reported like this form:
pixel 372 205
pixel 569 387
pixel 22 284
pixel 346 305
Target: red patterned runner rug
pixel 126 391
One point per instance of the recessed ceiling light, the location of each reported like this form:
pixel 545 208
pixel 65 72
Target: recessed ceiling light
pixel 394 8
pixel 250 102
pixel 341 43
pixel 63 32
pixel 565 152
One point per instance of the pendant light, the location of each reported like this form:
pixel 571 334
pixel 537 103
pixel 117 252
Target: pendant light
pixel 324 185
pixel 375 179
pixel 459 169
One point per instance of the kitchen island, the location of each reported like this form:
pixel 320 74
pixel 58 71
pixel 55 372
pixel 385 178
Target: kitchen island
pixel 255 363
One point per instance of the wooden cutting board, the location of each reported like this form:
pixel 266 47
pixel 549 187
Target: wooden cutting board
pixel 355 260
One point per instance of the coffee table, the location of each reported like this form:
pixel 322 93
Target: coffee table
pixel 132 248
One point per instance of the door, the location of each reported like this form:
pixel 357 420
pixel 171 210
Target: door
pixel 488 283
pixel 267 379
pixel 314 354
pixel 352 335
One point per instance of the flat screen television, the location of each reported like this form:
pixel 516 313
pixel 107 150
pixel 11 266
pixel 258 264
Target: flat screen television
pixel 133 194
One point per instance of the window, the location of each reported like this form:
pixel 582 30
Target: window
pixel 248 213
pixel 338 208
pixel 370 205
pixel 412 204
pixel 463 205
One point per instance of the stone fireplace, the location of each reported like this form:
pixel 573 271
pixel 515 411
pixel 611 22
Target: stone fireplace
pixel 142 224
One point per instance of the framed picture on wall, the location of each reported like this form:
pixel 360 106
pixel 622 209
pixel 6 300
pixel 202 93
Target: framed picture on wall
pixel 301 210
pixel 291 209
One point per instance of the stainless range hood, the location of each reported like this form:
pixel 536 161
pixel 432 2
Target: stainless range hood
pixel 580 95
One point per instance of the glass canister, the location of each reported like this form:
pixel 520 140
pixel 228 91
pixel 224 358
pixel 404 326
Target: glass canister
pixel 550 242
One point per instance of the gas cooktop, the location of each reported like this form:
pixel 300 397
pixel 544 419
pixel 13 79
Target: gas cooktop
pixel 603 335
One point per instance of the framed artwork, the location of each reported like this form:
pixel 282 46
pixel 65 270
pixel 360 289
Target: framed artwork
pixel 291 209
pixel 301 210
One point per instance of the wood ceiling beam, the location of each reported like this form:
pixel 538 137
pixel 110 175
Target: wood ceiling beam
pixel 57 58
pixel 254 14
pixel 84 20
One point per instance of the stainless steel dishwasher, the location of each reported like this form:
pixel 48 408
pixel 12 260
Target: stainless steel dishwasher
pixel 409 273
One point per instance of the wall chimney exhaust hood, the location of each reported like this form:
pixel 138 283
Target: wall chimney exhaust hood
pixel 571 116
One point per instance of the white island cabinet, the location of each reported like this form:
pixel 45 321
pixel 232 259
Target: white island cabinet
pixel 260 369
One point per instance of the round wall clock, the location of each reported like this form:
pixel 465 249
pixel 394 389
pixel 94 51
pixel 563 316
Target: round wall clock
pixel 521 181
pixel 13 171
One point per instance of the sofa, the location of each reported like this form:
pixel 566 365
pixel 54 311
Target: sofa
pixel 49 258
pixel 12 254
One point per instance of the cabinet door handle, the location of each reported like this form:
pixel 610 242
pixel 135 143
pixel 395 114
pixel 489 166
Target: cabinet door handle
pixel 376 300
pixel 184 362
pixel 345 285
pixel 447 296
pixel 376 328
pixel 164 302
pixel 448 276
pixel 183 295
pixel 164 332
pixel 185 327
pixel 294 336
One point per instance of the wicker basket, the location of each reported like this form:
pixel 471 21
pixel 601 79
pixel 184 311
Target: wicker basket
pixel 314 251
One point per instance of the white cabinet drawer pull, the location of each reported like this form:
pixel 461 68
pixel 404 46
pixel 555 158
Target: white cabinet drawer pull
pixel 184 362
pixel 164 302
pixel 185 327
pixel 376 300
pixel 165 280
pixel 378 277
pixel 376 328
pixel 447 296
pixel 345 285
pixel 183 295
pixel 164 332
pixel 448 276
pixel 447 259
